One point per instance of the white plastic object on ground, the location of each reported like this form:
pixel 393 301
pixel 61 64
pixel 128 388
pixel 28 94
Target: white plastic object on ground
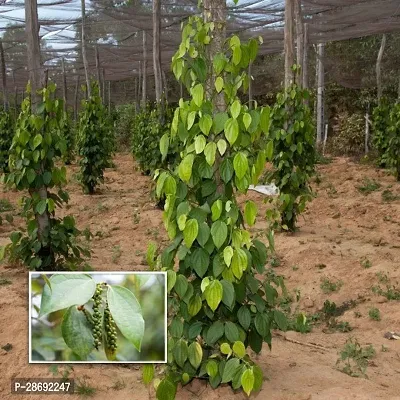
pixel 269 190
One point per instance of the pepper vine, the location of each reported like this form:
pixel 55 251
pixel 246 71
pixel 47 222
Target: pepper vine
pixel 219 307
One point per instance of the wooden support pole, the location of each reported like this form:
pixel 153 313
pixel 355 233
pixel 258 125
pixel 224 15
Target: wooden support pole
pixel 109 97
pixel 15 95
pixel 156 51
pixel 165 85
pixel 98 72
pixel 36 73
pixel 250 87
pixel 378 67
pixel 103 84
pixel 76 98
pixel 36 77
pixel 137 101
pixel 144 84
pixel 299 39
pixel 320 92
pixel 140 86
pixel 304 63
pixel 366 143
pixel 83 45
pixel 288 37
pixel 4 77
pixel 64 81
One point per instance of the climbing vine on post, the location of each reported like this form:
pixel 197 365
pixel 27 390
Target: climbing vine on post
pixel 95 143
pixel 6 135
pixel 49 242
pixel 219 307
pixel 292 149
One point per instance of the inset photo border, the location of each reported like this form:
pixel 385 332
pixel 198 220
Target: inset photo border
pixel 97 317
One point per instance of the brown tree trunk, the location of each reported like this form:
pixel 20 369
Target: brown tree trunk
pixel 64 84
pixel 320 92
pixel 83 45
pixel 156 52
pixel 288 32
pixel 215 11
pixel 36 77
pixel 144 85
pixel 76 98
pixel 98 72
pixel 378 67
pixel 4 77
pixel 305 57
pixel 299 39
pixel 15 95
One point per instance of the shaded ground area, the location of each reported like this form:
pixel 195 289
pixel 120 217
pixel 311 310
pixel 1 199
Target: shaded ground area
pixel 349 241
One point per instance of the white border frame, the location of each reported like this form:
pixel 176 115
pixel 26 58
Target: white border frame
pixel 98 273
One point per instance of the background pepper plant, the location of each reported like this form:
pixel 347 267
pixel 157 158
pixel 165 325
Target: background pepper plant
pixel 49 243
pixel 218 304
pixel 97 318
pixel 293 153
pixel 95 141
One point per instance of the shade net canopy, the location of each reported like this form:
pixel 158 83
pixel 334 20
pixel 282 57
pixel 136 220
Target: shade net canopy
pixel 116 28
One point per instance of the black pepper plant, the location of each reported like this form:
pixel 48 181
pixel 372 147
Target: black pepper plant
pixel 219 307
pixel 49 242
pixel 6 136
pixel 95 314
pixel 95 141
pixel 293 153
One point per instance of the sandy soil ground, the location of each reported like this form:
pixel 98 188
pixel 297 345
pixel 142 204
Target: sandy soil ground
pixel 342 232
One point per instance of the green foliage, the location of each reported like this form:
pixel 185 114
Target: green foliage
pixel 392 156
pixel 374 314
pixel 124 124
pixel 6 136
pixel 95 141
pixel 329 286
pixel 368 186
pixel 36 147
pixel 147 132
pixel 380 129
pixel 354 358
pixel 95 314
pixel 390 291
pixel 219 308
pixel 388 196
pixel 294 154
pixel 350 140
pixel 68 134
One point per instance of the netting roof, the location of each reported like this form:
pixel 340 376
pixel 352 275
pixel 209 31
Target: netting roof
pixel 116 27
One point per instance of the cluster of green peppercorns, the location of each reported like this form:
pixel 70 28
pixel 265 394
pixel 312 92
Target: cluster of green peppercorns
pixel 110 329
pixel 97 320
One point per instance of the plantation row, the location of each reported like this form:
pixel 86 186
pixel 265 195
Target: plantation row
pixel 203 153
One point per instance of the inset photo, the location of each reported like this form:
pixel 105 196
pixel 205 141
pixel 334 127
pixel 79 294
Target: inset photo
pixel 97 317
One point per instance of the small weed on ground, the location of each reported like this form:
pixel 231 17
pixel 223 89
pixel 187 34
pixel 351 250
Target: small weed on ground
pixel 354 358
pixel 374 314
pixel 368 186
pixel 4 281
pixel 5 205
pixel 275 262
pixel 365 263
pixel 119 385
pixel 329 286
pixel 83 388
pixel 334 325
pixel 391 292
pixel 388 196
pixel 116 254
